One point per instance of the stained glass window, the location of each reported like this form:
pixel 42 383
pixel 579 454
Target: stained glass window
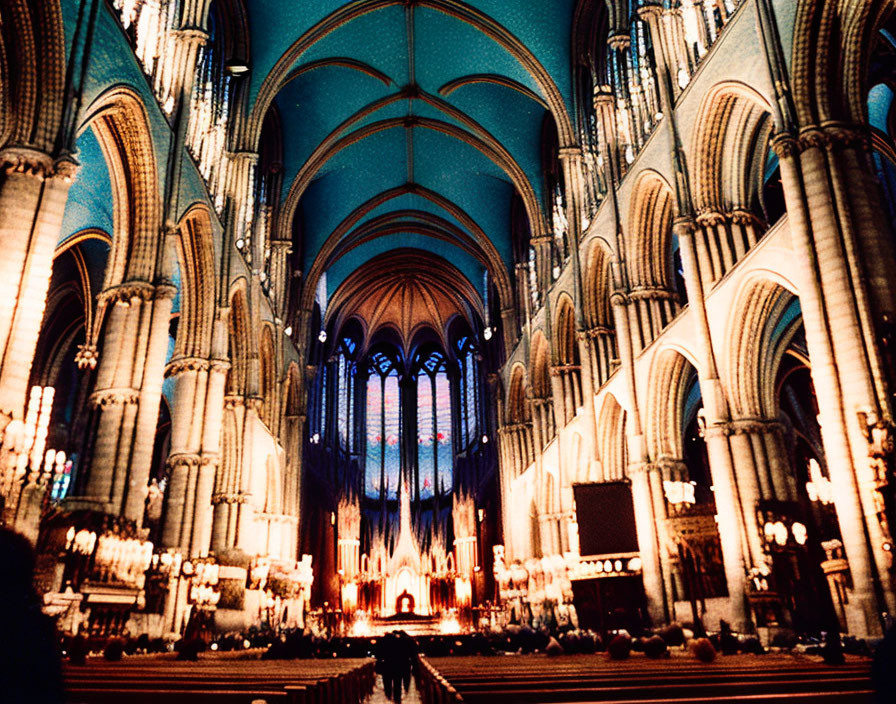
pixel 383 457
pixel 470 393
pixel 444 455
pixel 392 435
pixel 344 382
pixel 374 456
pixel 426 435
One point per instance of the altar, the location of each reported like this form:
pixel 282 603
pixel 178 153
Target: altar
pixel 410 589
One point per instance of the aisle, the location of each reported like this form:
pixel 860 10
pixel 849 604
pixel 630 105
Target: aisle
pixel 379 694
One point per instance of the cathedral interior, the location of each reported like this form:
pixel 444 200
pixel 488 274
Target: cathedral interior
pixel 328 316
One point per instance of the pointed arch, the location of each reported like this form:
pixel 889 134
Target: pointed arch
pixel 611 444
pixel 517 409
pixel 267 365
pixel 650 228
pixel 121 125
pixel 240 339
pixel 598 285
pixel 196 255
pixel 32 73
pixel 831 50
pixel 540 366
pixel 564 330
pixel 670 375
pixel 766 317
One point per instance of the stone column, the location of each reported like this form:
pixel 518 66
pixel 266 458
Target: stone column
pixel 843 459
pixel 126 397
pixel 33 191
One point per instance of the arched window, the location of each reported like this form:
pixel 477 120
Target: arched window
pixel 469 390
pixel 382 469
pixel 210 113
pixel 345 380
pixel 435 460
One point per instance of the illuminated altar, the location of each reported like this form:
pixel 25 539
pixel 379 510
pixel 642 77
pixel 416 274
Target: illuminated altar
pixel 408 583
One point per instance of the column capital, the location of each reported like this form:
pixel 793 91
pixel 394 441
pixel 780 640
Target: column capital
pixel 27 161
pixel 115 397
pixel 128 292
pixel 180 365
pixel 785 145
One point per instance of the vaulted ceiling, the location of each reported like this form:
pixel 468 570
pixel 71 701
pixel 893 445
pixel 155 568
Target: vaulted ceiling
pixel 409 124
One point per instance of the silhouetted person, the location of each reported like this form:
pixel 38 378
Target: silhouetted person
pixel 395 656
pixel 832 652
pixel 30 668
pixel 407 656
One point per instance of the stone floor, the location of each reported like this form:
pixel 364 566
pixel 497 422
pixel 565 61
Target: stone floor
pixel 379 694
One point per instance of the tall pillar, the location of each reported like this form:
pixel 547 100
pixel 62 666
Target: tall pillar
pixel 845 461
pixel 126 398
pixel 33 192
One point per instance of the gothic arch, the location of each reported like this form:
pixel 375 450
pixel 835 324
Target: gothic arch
pixel 668 383
pixel 831 47
pixel 517 410
pixel 650 233
pixel 240 326
pixel 540 366
pixel 733 125
pixel 611 445
pixel 32 73
pixel 267 361
pixel 766 318
pixel 564 329
pixel 121 125
pixel 730 147
pixel 196 256
pixel 598 285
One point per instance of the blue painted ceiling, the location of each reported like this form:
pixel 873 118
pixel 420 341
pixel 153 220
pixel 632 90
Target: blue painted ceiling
pixel 416 65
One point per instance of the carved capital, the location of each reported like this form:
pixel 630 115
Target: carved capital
pixel 26 161
pixel 710 218
pixel 229 498
pixel 66 168
pixel 785 145
pixel 126 293
pixel 753 426
pixel 650 10
pixel 182 461
pixel 745 218
pixel 619 298
pixel 186 364
pixel 114 397
pixel 619 41
pixel 561 369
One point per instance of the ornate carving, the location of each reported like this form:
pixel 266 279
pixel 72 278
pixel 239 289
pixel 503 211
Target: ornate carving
pixel 87 356
pixel 785 145
pixel 186 364
pixel 230 498
pixel 125 293
pixel 114 397
pixel 30 162
pixel 710 218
